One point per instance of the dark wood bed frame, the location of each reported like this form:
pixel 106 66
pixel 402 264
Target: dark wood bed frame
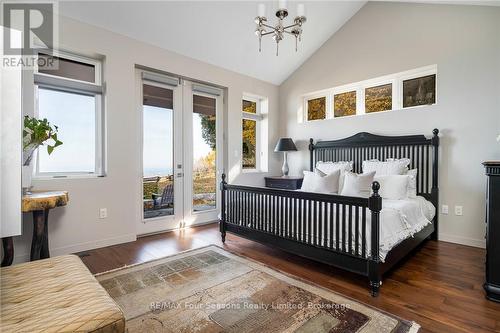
pixel 296 222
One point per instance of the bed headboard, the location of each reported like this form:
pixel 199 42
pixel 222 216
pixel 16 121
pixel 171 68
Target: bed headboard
pixel 422 152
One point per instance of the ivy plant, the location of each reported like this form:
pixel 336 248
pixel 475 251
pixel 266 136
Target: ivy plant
pixel 39 132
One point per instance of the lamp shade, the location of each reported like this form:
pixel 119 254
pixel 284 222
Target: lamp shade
pixel 285 144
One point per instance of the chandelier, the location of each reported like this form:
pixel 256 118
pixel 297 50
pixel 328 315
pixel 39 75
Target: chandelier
pixel 279 31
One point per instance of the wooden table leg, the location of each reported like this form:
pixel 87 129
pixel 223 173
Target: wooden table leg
pixel 40 241
pixel 8 251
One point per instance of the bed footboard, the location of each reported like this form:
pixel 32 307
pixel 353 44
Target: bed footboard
pixel 337 230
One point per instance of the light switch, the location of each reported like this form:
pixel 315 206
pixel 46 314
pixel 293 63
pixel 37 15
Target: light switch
pixel 444 209
pixel 458 210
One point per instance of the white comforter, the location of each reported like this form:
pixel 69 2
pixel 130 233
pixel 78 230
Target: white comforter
pixel 399 220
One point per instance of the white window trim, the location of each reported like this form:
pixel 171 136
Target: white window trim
pixel 377 83
pixel 345 89
pixel 99 168
pixel 327 94
pixel 431 70
pixel 395 79
pixel 258 117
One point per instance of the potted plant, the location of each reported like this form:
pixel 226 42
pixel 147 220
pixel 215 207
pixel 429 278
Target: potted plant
pixel 36 133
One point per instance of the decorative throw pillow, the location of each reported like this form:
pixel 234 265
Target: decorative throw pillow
pixel 320 182
pixel 329 167
pixel 393 187
pixel 357 185
pixel 412 183
pixel 308 181
pixel 389 167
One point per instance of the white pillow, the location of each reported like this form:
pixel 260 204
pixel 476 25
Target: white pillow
pixel 357 185
pixel 328 183
pixel 329 167
pixel 319 182
pixel 412 183
pixel 308 181
pixel 393 187
pixel 389 167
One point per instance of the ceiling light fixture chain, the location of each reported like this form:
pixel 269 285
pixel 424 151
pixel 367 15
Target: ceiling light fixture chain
pixel 279 30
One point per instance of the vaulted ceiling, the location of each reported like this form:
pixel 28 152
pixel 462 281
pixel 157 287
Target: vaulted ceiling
pixel 217 32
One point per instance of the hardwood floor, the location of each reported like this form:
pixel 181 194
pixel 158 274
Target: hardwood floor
pixel 439 287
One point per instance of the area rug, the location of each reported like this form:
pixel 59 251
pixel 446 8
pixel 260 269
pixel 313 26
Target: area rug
pixel 211 290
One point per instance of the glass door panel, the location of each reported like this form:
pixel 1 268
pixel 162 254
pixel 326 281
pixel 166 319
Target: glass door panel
pixel 158 151
pixel 204 153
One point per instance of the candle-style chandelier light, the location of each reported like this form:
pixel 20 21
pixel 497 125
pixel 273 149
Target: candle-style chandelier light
pixel 279 30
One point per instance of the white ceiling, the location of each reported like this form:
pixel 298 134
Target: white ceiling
pixel 220 33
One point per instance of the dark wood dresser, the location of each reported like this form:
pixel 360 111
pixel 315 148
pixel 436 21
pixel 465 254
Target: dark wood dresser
pixel 492 284
pixel 286 183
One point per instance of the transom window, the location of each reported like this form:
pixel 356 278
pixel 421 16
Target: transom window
pixel 378 98
pixel 419 91
pixel 316 108
pixel 69 95
pixel 344 104
pixel 398 91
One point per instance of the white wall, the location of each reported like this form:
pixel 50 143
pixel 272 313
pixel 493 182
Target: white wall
pixel 385 38
pixel 10 145
pixel 77 226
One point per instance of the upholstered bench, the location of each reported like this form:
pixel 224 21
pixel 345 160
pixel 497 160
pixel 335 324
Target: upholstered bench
pixel 56 295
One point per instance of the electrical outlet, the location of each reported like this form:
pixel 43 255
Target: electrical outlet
pixel 458 210
pixel 103 213
pixel 444 209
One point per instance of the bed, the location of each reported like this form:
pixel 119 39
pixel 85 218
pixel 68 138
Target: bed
pixel 364 235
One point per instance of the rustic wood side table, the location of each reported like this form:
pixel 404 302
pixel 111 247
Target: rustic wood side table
pixel 39 203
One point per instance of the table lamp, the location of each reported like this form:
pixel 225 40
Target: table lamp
pixel 285 145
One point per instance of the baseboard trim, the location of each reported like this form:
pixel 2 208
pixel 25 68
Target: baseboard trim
pixel 86 246
pixel 481 243
pixel 194 225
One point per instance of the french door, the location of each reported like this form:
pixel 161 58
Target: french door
pixel 181 126
pixel 202 152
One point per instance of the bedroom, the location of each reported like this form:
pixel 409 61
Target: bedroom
pixel 439 285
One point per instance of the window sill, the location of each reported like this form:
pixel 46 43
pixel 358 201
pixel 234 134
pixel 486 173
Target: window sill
pixel 253 171
pixel 64 177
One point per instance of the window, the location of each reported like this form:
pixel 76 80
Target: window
pixel 316 108
pixel 68 68
pixel 344 104
pixel 252 117
pixel 204 152
pixel 419 91
pixel 416 87
pixel 69 95
pixel 157 169
pixel 378 98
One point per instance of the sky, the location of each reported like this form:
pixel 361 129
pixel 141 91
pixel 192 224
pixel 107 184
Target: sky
pixel 158 137
pixel 75 116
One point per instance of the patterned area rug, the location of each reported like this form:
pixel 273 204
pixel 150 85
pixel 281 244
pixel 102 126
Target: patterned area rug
pixel 212 290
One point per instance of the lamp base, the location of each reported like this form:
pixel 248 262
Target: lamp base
pixel 284 169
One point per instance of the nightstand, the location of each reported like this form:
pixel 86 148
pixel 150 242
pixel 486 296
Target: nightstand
pixel 286 183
